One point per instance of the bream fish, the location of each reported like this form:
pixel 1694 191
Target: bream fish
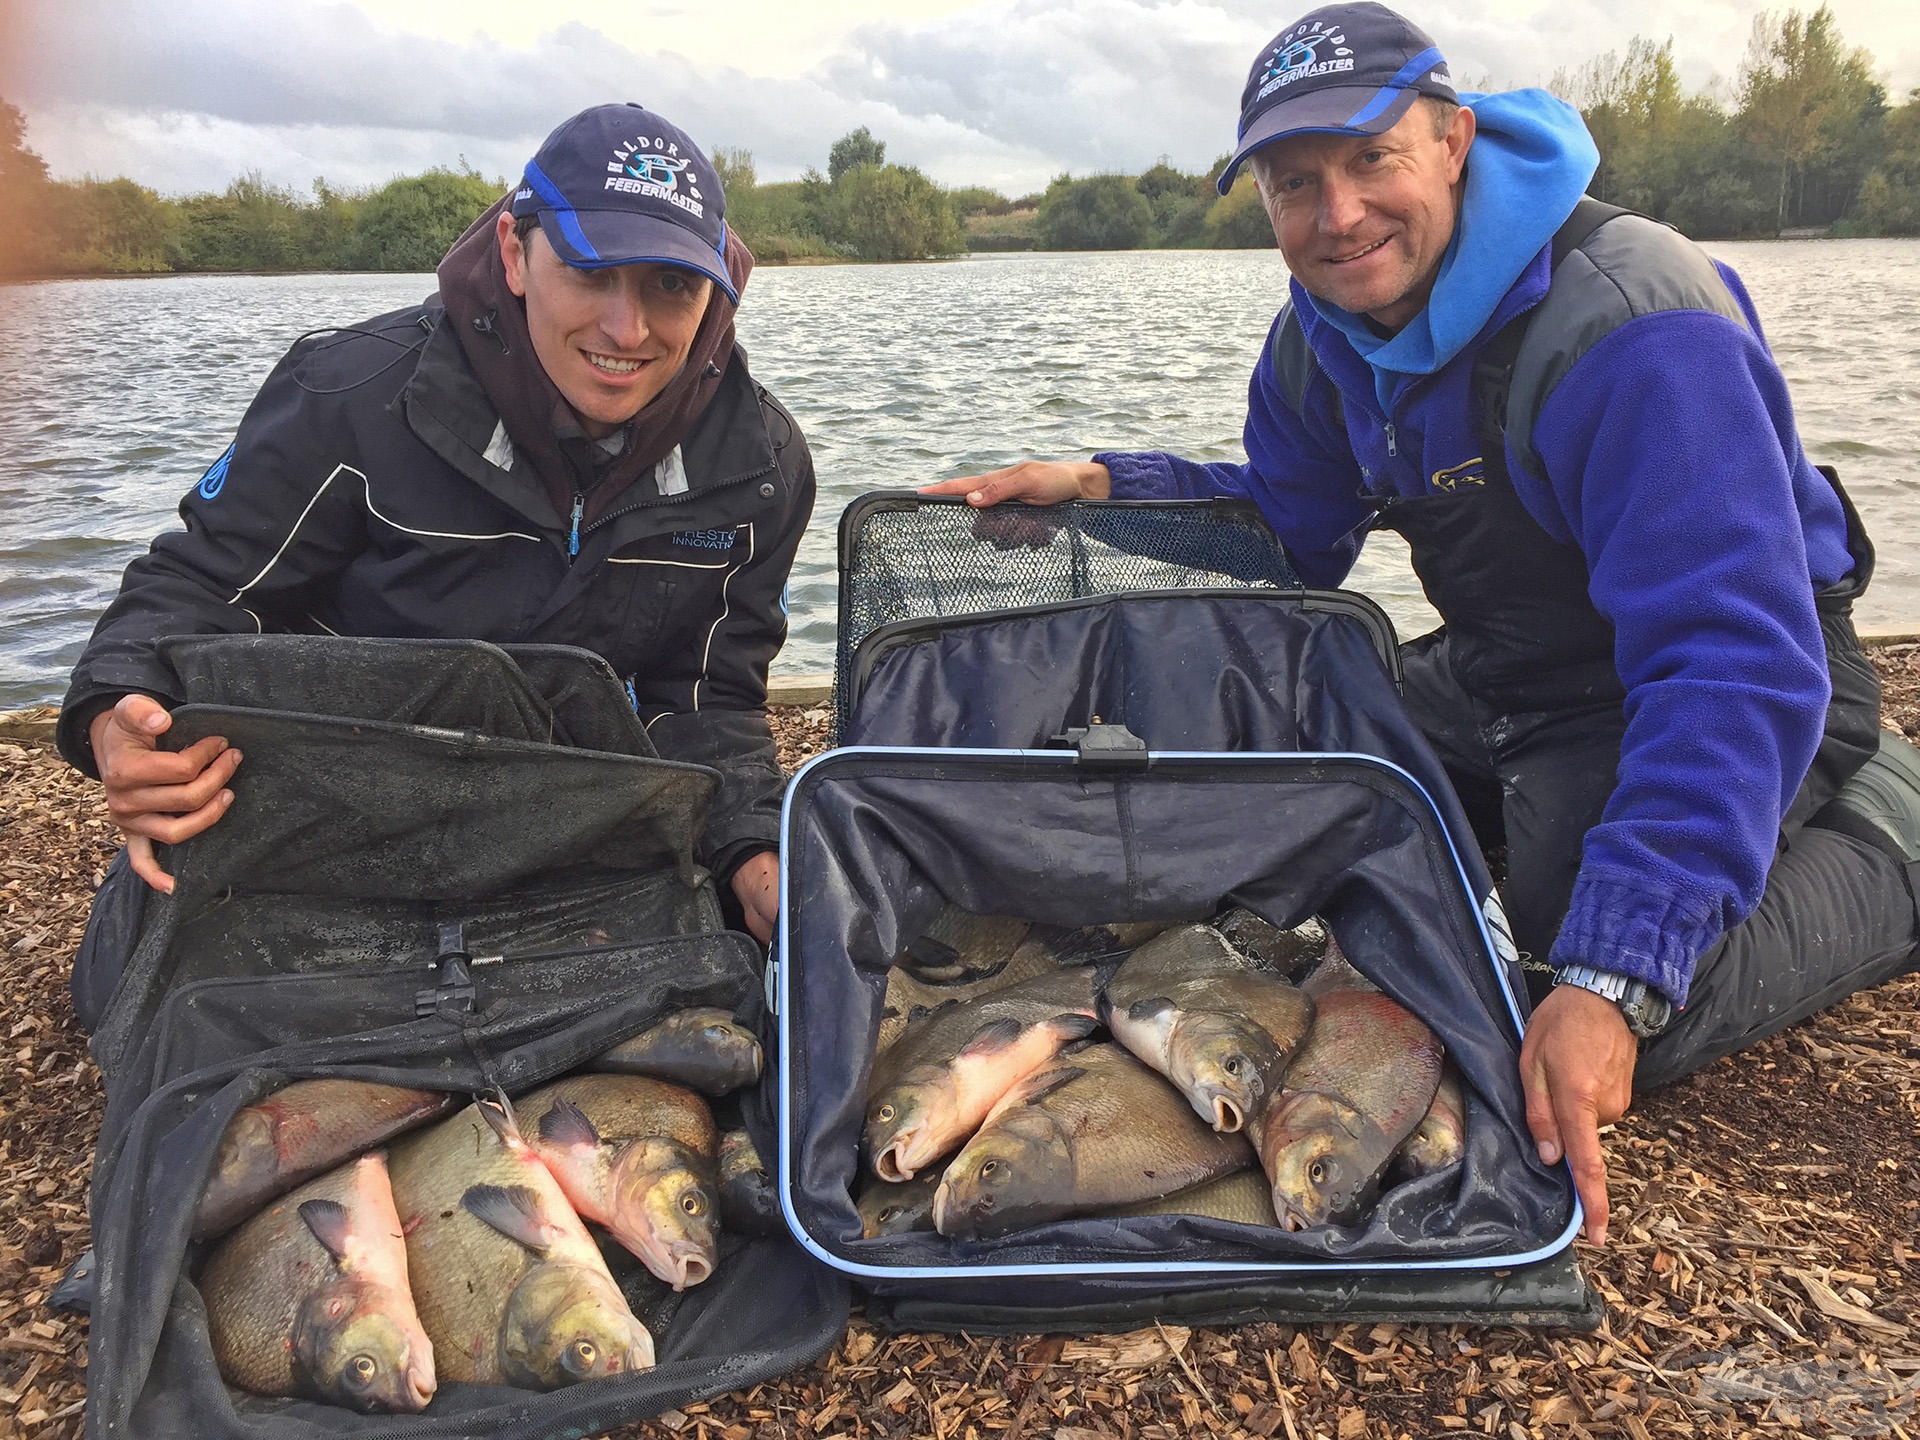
pixel 302 1130
pixel 636 1155
pixel 510 1286
pixel 1095 1128
pixel 703 1048
pixel 310 1297
pixel 1361 1083
pixel 936 1084
pixel 1192 1006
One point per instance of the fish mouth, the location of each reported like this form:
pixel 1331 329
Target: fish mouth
pixel 689 1270
pixel 941 1198
pixel 1227 1115
pixel 891 1163
pixel 419 1391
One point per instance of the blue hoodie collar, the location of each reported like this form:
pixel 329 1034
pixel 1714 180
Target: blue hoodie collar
pixel 1529 165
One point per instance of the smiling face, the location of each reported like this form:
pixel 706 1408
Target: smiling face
pixel 609 339
pixel 1364 220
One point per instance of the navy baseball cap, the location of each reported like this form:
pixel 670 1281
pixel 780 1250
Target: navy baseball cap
pixel 1341 69
pixel 618 185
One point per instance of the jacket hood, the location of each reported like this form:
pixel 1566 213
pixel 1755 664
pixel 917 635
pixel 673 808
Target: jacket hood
pixel 1529 165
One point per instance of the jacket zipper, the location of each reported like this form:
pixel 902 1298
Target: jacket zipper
pixel 573 538
pixel 1393 447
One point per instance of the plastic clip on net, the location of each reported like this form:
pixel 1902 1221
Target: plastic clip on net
pixel 1108 746
pixel 454 993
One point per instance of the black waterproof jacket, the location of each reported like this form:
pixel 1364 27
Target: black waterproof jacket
pixel 371 490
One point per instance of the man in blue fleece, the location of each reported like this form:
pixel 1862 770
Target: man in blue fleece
pixel 1647 684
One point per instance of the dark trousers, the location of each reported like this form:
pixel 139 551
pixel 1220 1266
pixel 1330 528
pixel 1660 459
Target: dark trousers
pixel 1837 914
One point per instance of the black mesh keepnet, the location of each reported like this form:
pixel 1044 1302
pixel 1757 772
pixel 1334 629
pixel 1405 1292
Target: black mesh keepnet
pixel 439 894
pixel 905 556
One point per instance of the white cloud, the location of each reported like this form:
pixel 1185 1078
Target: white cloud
pixel 186 94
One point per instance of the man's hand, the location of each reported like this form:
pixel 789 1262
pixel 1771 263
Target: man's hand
pixel 155 794
pixel 756 884
pixel 1037 482
pixel 1576 1065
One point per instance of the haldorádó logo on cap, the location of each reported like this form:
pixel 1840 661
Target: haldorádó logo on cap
pixel 620 185
pixel 1343 69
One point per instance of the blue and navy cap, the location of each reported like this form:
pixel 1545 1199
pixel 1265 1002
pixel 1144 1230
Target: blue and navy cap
pixel 1342 69
pixel 618 185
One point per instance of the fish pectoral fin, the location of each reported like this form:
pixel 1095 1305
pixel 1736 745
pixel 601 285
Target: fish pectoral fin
pixel 514 1211
pixel 329 1222
pixel 566 1124
pixel 1146 1009
pixel 994 1035
pixel 1073 1025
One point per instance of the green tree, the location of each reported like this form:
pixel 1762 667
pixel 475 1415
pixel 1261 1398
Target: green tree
pixel 891 212
pixel 1102 212
pixel 326 226
pixel 112 226
pixel 25 250
pixel 853 150
pixel 408 224
pixel 1238 219
pixel 734 166
pixel 1809 104
pixel 250 226
pixel 1889 201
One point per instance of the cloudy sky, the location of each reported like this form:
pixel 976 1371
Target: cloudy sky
pixel 183 95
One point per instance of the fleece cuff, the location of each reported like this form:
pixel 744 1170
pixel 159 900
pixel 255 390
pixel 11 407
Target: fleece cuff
pixel 1630 931
pixel 1139 474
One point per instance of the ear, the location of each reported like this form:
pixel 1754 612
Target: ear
pixel 1459 137
pixel 513 254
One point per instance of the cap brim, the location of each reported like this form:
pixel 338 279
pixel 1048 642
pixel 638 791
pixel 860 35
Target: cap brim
pixel 597 239
pixel 1325 112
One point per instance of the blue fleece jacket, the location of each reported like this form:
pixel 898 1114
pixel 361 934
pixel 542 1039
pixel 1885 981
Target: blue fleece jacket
pixel 1672 463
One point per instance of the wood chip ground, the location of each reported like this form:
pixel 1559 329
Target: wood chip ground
pixel 1763 1275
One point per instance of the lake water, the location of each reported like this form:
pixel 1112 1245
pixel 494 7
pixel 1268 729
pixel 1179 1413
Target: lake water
pixel 116 394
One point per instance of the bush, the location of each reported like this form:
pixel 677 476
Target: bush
pixel 409 223
pixel 1238 220
pixel 890 212
pixel 1103 212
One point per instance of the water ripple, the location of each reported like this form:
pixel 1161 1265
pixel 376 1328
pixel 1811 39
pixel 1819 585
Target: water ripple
pixel 899 375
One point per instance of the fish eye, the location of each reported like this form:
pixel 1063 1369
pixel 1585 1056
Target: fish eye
pixel 694 1203
pixel 1317 1172
pixel 362 1369
pixel 1235 1065
pixel 580 1356
pixel 888 1212
pixel 988 1167
pixel 716 1032
pixel 885 1114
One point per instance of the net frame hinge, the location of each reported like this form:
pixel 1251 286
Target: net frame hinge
pixel 454 995
pixel 1104 746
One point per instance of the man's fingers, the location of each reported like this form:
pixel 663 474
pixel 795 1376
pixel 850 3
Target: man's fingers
pixel 126 763
pixel 1541 1119
pixel 128 802
pixel 140 856
pixel 1584 1158
pixel 171 831
pixel 964 485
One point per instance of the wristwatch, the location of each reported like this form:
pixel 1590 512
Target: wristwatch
pixel 1646 1009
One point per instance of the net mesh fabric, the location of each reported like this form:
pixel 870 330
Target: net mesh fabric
pixel 908 558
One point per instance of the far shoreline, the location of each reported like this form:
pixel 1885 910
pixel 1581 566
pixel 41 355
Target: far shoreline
pixel 800 261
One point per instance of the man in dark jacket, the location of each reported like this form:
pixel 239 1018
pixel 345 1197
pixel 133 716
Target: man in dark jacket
pixel 1648 681
pixel 563 446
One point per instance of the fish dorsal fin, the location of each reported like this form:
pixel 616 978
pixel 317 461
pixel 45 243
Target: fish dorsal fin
pixel 497 1110
pixel 567 1124
pixel 994 1035
pixel 1072 1025
pixel 514 1211
pixel 1049 1081
pixel 329 1222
